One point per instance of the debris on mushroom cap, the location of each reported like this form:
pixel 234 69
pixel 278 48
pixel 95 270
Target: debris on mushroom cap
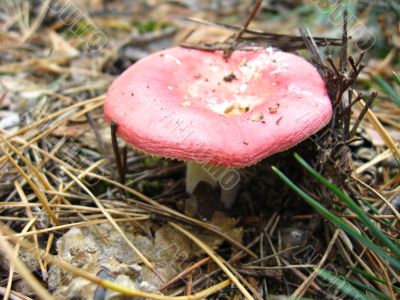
pixel 274 109
pixel 192 111
pixel 257 117
pixel 230 77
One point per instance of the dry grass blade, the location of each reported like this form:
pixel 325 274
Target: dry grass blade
pixel 39 194
pixel 77 225
pixel 71 207
pixel 377 159
pixel 14 295
pixel 12 267
pixel 392 208
pixel 65 120
pixel 55 115
pixel 115 225
pixel 302 276
pixel 22 269
pixel 185 272
pixel 301 290
pixel 46 185
pixel 84 173
pixel 53 127
pixel 381 130
pixel 29 213
pixel 269 256
pixel 218 260
pixel 37 22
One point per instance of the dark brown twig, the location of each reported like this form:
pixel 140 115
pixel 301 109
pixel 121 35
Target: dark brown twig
pixel 344 50
pixel 362 114
pixel 249 19
pixel 339 78
pixel 118 161
pixel 311 45
pixel 228 51
pixel 347 109
pixel 263 34
pixel 256 38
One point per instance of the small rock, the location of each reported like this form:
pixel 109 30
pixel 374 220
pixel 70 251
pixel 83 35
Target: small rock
pixel 9 120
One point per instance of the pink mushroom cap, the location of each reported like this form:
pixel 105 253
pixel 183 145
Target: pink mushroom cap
pixel 198 106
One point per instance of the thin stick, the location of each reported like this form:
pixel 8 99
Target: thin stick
pixel 347 109
pixel 185 272
pixel 381 130
pixel 362 113
pixel 118 161
pixel 215 257
pixel 249 19
pixel 301 290
pixel 77 225
pixel 228 51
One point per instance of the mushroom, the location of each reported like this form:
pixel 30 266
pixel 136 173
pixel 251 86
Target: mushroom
pixel 215 113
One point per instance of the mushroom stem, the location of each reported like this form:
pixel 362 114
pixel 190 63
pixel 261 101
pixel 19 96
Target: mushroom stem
pixel 226 178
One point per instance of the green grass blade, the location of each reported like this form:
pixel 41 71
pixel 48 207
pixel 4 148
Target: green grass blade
pixel 397 159
pixel 354 207
pixel 376 212
pixel 364 287
pixel 394 8
pixel 342 285
pixel 396 78
pixel 336 220
pixel 388 89
pixel 367 275
pixel 372 277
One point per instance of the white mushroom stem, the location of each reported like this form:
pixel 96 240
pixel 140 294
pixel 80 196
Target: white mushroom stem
pixel 226 178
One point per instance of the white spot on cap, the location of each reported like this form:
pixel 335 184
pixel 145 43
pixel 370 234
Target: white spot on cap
pixel 169 56
pixel 186 103
pixel 239 105
pixel 214 68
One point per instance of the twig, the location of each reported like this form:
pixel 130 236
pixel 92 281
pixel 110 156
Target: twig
pixel 118 161
pixel 185 272
pixel 218 260
pixel 339 79
pixel 260 33
pixel 248 20
pixel 312 47
pixel 362 113
pixel 348 108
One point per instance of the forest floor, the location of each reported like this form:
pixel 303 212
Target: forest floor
pixel 318 221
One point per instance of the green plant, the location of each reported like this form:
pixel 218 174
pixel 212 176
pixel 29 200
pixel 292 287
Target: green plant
pixel 388 89
pixel 387 249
